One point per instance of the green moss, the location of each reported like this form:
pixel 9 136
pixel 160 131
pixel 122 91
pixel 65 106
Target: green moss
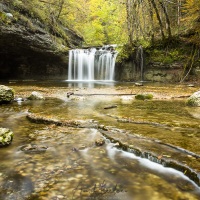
pixel 4 19
pixel 2 16
pixel 165 56
pixel 144 96
pixel 191 102
pixel 6 136
pixel 125 52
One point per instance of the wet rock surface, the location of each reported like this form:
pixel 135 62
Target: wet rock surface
pixel 164 154
pixel 99 141
pixel 33 148
pixel 141 146
pixel 16 186
pixel 74 167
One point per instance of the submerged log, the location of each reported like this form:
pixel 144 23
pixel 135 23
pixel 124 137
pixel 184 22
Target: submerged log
pixel 109 107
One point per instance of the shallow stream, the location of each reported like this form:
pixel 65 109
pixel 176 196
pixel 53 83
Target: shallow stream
pixel 73 167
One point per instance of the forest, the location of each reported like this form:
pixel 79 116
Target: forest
pixel 99 99
pixel 119 21
pixel 168 30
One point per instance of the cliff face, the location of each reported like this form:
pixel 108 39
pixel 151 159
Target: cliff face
pixel 175 61
pixel 28 50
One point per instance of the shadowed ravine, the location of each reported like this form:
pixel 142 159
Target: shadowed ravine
pixel 150 149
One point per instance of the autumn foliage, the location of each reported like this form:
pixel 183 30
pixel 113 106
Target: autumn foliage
pixel 118 21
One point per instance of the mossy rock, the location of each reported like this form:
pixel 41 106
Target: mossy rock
pixel 6 137
pixel 36 96
pixel 144 96
pixel 194 100
pixel 6 94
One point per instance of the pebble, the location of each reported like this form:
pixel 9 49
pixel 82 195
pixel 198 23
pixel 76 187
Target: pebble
pixel 79 176
pixel 60 196
pixel 69 167
pixel 9 15
pixel 117 144
pixel 190 85
pixel 101 126
pixel 71 179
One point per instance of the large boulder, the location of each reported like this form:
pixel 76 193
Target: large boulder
pixel 194 99
pixel 6 94
pixel 6 136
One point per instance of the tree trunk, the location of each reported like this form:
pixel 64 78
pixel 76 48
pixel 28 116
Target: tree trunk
pixel 179 15
pixel 167 18
pixel 158 17
pixel 151 19
pixel 129 21
pixel 60 8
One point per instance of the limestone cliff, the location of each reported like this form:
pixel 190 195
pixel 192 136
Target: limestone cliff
pixel 30 50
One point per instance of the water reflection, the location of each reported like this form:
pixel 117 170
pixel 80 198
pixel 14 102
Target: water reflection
pixel 90 84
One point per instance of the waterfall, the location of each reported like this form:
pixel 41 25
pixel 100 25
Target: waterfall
pixel 141 62
pixel 92 64
pixel 139 57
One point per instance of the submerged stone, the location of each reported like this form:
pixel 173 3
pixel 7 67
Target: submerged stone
pixel 16 186
pixel 99 141
pixel 33 148
pixel 112 106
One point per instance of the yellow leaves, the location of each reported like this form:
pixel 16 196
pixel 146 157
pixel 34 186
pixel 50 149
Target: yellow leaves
pixel 192 18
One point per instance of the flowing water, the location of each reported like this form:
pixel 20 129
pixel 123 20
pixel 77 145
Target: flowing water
pixel 92 64
pixel 73 167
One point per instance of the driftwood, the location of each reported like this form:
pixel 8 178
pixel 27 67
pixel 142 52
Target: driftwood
pixel 95 94
pixel 182 96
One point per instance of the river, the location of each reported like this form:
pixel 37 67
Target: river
pixel 142 138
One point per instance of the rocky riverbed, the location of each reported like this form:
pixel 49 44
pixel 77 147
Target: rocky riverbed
pixel 70 147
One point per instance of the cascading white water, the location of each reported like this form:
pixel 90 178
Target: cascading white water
pixel 139 57
pixel 92 64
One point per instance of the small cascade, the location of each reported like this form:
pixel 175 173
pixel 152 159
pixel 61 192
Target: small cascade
pixel 140 59
pixel 92 64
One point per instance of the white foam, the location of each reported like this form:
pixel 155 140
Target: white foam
pixel 155 166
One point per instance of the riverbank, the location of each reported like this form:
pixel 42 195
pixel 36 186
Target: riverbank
pixel 60 89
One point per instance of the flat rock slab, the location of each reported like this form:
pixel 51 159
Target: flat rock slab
pixel 156 151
